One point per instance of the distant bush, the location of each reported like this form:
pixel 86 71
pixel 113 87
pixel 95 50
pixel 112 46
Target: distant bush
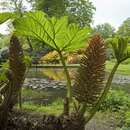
pixel 74 58
pixel 51 57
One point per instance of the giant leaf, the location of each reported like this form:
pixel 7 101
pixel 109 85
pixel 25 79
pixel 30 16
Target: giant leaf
pixel 57 33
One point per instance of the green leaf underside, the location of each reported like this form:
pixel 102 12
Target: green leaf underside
pixel 57 33
pixel 6 16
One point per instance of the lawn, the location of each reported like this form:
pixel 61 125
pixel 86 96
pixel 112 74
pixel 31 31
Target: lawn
pixel 54 108
pixel 122 69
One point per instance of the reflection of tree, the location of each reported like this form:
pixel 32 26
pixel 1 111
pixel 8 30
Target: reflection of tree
pixel 56 74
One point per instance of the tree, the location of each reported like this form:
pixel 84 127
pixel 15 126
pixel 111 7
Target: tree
pixel 13 5
pixel 79 11
pixel 124 29
pixel 51 7
pixel 106 30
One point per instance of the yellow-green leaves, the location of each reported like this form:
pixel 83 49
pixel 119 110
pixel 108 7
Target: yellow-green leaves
pixel 6 16
pixel 120 47
pixel 57 33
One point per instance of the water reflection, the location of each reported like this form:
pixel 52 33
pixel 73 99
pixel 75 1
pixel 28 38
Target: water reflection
pixel 51 83
pixel 50 73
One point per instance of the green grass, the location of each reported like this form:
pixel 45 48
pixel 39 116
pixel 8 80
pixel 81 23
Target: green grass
pixel 34 94
pixel 55 108
pixel 122 69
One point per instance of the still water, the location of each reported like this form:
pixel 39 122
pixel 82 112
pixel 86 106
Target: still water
pixel 50 83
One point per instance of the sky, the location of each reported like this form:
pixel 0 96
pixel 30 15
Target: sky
pixel 111 11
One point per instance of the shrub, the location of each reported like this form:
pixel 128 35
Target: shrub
pixel 116 100
pixel 127 119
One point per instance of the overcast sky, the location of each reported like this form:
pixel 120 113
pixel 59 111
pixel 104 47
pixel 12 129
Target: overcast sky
pixel 111 11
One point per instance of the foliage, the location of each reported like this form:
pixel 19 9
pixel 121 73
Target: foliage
pixel 79 11
pixel 35 100
pixel 4 41
pixel 105 30
pixel 27 60
pixel 3 78
pixel 13 5
pixel 89 81
pixel 57 107
pixel 51 57
pixel 124 29
pixel 110 41
pixel 116 101
pixel 74 58
pixel 54 32
pixel 52 8
pixel 120 48
pixel 6 16
pixel 127 119
pixel 3 70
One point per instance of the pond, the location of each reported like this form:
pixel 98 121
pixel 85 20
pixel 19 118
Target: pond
pixel 44 85
pixel 58 74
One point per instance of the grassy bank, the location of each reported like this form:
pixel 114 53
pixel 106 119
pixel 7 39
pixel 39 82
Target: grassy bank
pixel 114 109
pixel 55 108
pixel 118 96
pixel 123 68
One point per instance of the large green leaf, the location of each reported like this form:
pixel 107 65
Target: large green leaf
pixel 55 32
pixel 6 16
